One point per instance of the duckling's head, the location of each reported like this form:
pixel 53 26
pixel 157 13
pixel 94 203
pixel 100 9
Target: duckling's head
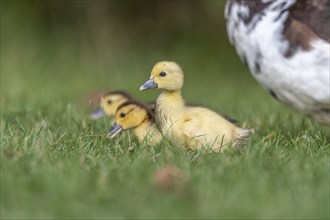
pixel 165 75
pixel 109 103
pixel 130 114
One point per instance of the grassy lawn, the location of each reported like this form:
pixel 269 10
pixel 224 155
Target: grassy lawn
pixel 56 163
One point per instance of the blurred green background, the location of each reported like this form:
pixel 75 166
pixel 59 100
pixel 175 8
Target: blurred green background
pixel 56 163
pixel 67 49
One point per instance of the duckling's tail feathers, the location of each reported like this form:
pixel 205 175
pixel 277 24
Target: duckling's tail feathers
pixel 242 137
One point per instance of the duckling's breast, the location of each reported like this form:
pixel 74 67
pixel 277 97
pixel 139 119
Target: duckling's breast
pixel 169 121
pixel 148 132
pixel 169 115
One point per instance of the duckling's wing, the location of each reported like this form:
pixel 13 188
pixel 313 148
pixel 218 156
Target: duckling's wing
pixel 205 126
pixel 190 128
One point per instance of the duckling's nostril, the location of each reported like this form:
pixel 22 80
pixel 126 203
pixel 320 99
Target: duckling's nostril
pixel 150 84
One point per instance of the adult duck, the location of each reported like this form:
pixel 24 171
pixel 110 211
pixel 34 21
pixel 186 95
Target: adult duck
pixel 285 45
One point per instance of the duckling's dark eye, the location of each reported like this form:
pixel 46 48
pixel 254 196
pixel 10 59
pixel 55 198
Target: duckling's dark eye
pixel 162 74
pixel 122 115
pixel 109 101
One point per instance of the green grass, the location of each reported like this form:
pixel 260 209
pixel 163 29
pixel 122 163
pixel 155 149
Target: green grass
pixel 56 163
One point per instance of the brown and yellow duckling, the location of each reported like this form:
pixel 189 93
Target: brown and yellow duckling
pixel 109 104
pixel 193 127
pixel 138 117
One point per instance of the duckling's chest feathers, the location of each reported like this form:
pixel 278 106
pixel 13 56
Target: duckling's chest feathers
pixel 169 109
pixel 147 131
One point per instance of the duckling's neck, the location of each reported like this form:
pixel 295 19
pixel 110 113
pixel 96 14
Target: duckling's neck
pixel 172 99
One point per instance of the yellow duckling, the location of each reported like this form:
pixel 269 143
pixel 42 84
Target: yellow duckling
pixel 109 104
pixel 139 117
pixel 189 126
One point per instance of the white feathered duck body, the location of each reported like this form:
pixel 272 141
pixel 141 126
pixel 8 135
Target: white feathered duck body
pixel 285 45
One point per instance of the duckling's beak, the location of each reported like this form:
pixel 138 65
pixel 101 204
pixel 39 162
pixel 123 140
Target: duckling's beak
pixel 150 84
pixel 114 130
pixel 96 114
